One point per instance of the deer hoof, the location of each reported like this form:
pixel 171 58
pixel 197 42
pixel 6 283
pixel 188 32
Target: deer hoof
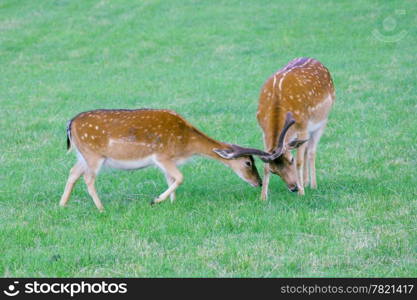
pixel 154 201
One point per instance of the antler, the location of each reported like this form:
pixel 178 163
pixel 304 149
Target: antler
pixel 289 121
pixel 238 151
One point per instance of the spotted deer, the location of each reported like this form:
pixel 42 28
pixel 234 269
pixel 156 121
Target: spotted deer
pixel 134 139
pixel 294 104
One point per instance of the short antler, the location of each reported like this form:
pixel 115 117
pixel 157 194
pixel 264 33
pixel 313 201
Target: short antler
pixel 238 151
pixel 289 121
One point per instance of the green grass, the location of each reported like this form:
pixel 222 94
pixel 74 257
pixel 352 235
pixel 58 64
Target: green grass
pixel 207 60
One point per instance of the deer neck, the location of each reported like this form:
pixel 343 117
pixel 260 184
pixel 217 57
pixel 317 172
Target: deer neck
pixel 204 145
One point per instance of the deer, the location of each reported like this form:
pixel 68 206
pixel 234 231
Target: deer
pixel 294 105
pixel 134 139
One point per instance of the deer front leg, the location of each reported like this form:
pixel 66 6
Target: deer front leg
pixel 300 166
pixel 265 183
pixel 306 166
pixel 312 148
pixel 170 181
pixel 171 170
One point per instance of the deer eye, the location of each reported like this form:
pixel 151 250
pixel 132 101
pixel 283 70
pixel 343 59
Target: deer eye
pixel 292 160
pixel 248 164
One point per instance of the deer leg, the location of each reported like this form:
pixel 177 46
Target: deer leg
pixel 300 165
pixel 90 177
pixel 76 171
pixel 305 166
pixel 265 183
pixel 170 181
pixel 315 138
pixel 169 168
pixel 312 162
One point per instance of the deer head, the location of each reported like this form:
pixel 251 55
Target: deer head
pixel 241 162
pixel 280 161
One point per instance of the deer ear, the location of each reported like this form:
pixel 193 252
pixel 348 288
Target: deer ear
pixel 225 153
pixel 295 144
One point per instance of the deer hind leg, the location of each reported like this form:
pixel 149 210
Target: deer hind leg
pixel 90 174
pixel 76 171
pixel 315 138
pixel 265 183
pixel 170 169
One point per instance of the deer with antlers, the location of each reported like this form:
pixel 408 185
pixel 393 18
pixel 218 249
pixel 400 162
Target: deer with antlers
pixel 134 139
pixel 293 108
pixel 294 105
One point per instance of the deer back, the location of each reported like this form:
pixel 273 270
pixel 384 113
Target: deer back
pixel 132 134
pixel 305 88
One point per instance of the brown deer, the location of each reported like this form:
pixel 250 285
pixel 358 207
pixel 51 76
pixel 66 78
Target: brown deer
pixel 293 107
pixel 294 104
pixel 134 139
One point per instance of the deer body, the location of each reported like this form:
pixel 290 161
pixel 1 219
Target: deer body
pixel 134 139
pixel 304 88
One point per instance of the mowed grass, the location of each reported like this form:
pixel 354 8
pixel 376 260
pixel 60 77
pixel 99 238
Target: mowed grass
pixel 207 60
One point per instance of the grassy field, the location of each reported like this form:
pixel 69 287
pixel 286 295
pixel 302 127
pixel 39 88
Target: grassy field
pixel 207 60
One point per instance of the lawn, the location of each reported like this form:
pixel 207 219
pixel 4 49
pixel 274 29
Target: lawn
pixel 207 60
